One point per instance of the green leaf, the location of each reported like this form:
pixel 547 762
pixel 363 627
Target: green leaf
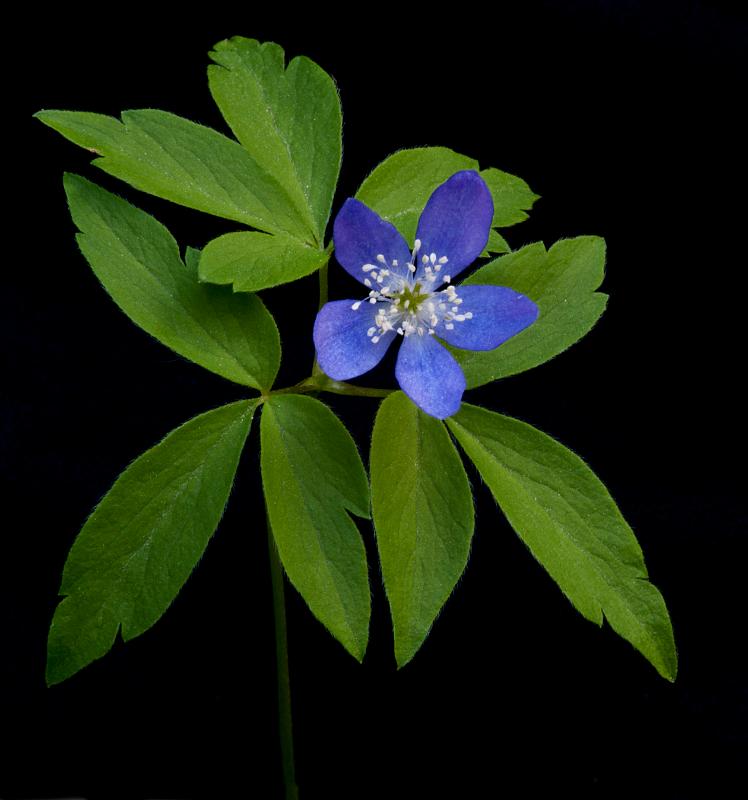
pixel 562 281
pixel 423 516
pixel 138 262
pixel 289 120
pixel 399 187
pixel 176 159
pixel 511 197
pixel 312 475
pixel 564 514
pixel 144 538
pixel 252 261
pixel 496 243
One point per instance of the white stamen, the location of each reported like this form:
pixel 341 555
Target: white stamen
pixel 446 278
pixel 371 332
pixel 433 258
pixel 412 267
pixel 425 260
pixel 374 339
pixel 443 260
pixel 381 259
pixel 367 282
pixel 417 245
pixel 449 326
pixel 357 305
pixel 368 267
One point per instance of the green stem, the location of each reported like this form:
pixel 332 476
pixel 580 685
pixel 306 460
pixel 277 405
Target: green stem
pixel 323 285
pixel 285 728
pixel 316 371
pixel 321 383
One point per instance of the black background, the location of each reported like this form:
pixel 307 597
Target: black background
pixel 624 117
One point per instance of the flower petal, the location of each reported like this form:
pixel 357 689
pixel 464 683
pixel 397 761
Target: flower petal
pixel 429 375
pixel 456 221
pixel 498 314
pixel 343 348
pixel 360 235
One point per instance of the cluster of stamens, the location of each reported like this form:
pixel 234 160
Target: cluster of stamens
pixel 409 305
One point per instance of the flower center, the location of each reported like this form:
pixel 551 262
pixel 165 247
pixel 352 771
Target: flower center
pixel 410 305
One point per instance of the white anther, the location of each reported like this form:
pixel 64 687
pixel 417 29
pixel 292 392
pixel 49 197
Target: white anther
pixel 400 331
pixel 367 282
pixel 412 267
pixel 394 262
pixel 374 339
pixel 368 267
pixel 431 331
pixel 449 326
pixel 469 315
pixel 437 267
pixel 443 260
pixel 433 258
pixel 356 305
pixel 460 317
pixel 381 259
pixel 447 278
pixel 417 245
pixel 371 332
pixel 373 299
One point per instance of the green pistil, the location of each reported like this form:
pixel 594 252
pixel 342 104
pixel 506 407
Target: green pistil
pixel 414 297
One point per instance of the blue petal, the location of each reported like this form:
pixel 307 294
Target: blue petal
pixel 360 235
pixel 343 348
pixel 498 314
pixel 456 221
pixel 430 376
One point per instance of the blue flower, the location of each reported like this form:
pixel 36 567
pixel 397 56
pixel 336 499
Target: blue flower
pixel 411 294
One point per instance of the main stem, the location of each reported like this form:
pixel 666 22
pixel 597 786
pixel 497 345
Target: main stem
pixel 285 727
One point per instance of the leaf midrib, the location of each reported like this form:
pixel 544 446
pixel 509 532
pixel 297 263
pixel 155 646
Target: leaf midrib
pixel 231 358
pixel 510 475
pixel 282 434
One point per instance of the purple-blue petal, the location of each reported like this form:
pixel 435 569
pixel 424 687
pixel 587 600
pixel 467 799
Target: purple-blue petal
pixel 456 221
pixel 343 349
pixel 360 235
pixel 498 314
pixel 430 376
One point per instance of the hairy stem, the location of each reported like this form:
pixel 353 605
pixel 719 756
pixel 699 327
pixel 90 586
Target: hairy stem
pixel 284 685
pixel 322 272
pixel 321 383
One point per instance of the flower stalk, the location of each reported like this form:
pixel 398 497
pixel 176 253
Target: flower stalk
pixel 285 727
